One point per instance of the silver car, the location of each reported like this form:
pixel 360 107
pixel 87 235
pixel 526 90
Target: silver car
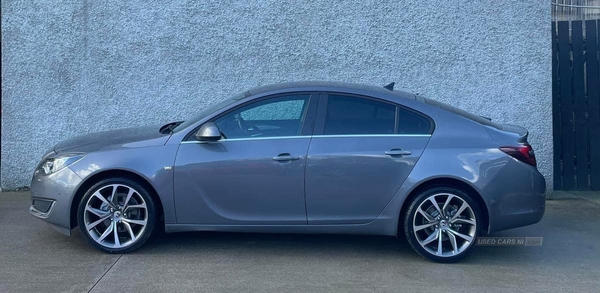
pixel 310 157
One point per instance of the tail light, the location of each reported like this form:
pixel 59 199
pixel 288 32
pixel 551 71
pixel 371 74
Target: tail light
pixel 523 153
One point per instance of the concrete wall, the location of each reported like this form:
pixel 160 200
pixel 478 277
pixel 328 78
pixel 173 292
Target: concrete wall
pixel 75 67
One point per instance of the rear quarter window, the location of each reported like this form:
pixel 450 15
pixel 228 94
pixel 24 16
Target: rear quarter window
pixel 410 122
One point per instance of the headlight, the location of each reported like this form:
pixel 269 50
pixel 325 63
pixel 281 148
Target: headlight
pixel 54 163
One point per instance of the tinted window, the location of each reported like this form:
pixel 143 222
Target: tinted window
pixel 410 122
pixel 353 115
pixel 281 116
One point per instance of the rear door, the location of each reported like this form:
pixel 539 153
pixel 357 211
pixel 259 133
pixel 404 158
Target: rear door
pixel 362 150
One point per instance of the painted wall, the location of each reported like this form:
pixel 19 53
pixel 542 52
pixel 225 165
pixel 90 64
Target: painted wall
pixel 75 67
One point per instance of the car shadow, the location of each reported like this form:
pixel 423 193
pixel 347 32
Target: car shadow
pixel 302 243
pixel 317 245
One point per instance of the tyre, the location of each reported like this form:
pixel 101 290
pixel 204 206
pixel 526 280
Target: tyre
pixel 442 224
pixel 116 215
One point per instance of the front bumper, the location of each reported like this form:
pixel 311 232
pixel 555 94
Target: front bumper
pixel 51 198
pixel 516 197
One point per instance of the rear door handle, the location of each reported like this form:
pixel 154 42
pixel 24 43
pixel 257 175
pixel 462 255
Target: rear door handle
pixel 398 152
pixel 285 157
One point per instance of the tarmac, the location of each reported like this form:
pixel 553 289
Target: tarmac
pixel 35 258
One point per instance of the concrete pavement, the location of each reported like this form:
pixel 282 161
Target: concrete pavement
pixel 33 258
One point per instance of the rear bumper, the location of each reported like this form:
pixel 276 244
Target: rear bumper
pixel 51 198
pixel 516 197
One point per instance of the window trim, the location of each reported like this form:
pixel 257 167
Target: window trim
pixel 305 128
pixel 321 116
pixel 310 136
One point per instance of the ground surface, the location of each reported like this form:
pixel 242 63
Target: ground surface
pixel 34 258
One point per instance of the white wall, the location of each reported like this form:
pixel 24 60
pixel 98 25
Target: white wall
pixel 75 67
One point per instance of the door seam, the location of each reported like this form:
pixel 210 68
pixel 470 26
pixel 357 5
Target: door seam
pixel 304 179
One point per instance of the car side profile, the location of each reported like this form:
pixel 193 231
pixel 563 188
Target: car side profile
pixel 307 157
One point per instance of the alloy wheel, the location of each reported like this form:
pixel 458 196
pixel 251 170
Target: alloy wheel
pixel 445 225
pixel 115 216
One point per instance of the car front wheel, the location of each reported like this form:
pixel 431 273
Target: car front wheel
pixel 116 215
pixel 442 224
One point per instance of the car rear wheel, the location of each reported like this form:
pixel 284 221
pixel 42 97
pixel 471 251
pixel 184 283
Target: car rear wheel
pixel 442 224
pixel 116 215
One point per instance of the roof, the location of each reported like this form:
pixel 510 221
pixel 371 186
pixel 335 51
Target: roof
pixel 327 86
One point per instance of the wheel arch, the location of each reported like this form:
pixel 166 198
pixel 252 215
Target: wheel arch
pixel 445 182
pixel 113 173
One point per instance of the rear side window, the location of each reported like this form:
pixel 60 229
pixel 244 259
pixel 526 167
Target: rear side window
pixel 347 115
pixel 353 115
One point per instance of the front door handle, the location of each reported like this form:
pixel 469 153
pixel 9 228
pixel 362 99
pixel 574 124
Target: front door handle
pixel 398 152
pixel 285 157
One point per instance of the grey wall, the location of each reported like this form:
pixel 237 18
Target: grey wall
pixel 74 67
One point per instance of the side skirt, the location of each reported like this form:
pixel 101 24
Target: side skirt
pixel 377 227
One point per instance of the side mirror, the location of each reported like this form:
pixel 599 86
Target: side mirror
pixel 208 132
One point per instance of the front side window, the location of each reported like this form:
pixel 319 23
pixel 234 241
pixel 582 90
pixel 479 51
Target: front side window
pixel 273 117
pixel 354 115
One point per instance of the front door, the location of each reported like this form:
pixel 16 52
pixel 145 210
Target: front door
pixel 362 151
pixel 254 175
